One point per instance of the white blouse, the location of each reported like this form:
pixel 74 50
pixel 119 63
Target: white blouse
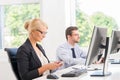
pixel 44 61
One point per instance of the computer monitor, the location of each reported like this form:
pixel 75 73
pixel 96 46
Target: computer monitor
pixel 115 42
pixel 99 40
pixel 115 45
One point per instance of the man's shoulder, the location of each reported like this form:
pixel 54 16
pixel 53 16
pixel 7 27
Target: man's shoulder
pixel 63 45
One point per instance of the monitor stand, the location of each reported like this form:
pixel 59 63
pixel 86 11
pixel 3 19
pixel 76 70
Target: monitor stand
pixel 100 73
pixel 104 71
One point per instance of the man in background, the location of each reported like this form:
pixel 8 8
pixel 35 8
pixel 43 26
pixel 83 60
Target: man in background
pixel 70 52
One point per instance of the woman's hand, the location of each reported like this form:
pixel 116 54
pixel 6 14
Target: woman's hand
pixel 54 65
pixel 50 66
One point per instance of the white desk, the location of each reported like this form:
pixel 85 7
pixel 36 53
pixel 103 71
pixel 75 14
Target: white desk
pixel 113 68
pixel 6 72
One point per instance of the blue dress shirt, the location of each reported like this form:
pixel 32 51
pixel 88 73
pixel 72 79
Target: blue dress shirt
pixel 64 53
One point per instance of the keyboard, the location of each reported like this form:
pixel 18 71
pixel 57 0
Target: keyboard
pixel 74 73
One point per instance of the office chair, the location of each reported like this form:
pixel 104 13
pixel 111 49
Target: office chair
pixel 12 58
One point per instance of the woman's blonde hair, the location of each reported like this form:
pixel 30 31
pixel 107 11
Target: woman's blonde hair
pixel 34 24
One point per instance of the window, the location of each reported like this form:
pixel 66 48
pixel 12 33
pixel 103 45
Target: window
pixel 90 13
pixel 14 18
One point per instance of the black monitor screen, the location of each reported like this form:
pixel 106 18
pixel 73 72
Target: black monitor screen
pixel 98 37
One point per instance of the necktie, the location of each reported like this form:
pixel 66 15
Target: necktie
pixel 73 53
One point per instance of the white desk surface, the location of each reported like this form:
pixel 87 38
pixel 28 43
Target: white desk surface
pixel 113 68
pixel 6 72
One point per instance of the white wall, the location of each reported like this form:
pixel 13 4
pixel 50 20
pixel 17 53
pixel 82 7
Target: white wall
pixel 56 13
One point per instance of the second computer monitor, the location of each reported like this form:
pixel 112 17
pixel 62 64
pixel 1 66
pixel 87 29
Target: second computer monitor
pixel 115 42
pixel 98 38
pixel 114 45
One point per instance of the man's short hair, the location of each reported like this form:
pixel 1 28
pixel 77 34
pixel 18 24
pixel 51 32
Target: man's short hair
pixel 69 30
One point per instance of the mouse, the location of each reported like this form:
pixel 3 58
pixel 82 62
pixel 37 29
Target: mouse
pixel 95 68
pixel 52 76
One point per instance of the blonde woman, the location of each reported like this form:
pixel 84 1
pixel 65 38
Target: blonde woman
pixel 31 58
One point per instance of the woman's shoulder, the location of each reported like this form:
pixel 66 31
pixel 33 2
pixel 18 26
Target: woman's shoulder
pixel 24 49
